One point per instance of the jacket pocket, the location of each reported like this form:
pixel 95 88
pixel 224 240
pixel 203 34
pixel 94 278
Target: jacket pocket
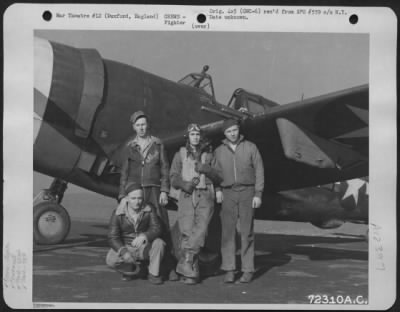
pixel 246 175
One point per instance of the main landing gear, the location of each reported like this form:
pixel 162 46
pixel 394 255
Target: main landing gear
pixel 51 222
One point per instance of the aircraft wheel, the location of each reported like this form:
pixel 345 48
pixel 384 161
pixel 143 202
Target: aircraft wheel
pixel 51 223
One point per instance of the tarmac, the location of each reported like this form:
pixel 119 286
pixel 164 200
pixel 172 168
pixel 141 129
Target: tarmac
pixel 295 264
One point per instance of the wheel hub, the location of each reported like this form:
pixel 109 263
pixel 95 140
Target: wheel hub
pixel 50 223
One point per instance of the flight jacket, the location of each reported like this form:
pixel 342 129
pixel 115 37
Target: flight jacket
pixel 176 173
pixel 150 169
pixel 122 231
pixel 244 166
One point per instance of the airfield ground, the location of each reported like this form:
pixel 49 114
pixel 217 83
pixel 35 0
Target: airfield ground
pixel 293 262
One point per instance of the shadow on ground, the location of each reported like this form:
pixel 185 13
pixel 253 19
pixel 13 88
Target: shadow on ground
pixel 271 249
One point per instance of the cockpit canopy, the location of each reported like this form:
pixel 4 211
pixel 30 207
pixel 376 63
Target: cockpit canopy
pixel 201 81
pixel 250 103
pixel 242 101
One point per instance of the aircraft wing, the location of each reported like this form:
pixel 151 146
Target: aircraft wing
pixel 315 141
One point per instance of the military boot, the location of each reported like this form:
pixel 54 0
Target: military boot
pixel 187 266
pixel 181 264
pixel 195 265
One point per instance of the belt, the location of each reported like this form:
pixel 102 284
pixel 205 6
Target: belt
pixel 200 189
pixel 238 187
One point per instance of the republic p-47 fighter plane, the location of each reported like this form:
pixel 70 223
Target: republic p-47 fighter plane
pixel 82 103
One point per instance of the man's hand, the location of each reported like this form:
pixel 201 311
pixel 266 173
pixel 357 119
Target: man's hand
pixel 127 257
pixel 139 241
pixel 256 202
pixel 163 199
pixel 219 196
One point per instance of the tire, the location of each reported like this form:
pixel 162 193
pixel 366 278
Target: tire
pixel 51 223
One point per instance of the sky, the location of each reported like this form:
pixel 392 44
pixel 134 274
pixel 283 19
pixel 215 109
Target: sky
pixel 283 67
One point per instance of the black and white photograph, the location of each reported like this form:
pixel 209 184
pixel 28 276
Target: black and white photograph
pixel 215 168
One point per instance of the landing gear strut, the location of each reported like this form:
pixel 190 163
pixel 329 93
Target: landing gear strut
pixel 51 222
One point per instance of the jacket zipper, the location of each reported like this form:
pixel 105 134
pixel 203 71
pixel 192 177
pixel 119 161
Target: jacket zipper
pixel 234 165
pixel 234 160
pixel 141 176
pixel 142 171
pixel 143 161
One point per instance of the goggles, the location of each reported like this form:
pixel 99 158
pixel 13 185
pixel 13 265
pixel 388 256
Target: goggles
pixel 193 127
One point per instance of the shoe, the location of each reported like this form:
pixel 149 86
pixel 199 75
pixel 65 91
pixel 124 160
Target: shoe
pixel 189 280
pixel 246 277
pixel 156 280
pixel 173 277
pixel 229 277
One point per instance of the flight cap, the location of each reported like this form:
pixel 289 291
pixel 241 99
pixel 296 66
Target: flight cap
pixel 136 115
pixel 229 123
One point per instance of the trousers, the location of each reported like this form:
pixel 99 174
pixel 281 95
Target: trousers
pixel 237 205
pixel 154 254
pixel 151 194
pixel 194 214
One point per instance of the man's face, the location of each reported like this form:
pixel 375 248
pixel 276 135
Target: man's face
pixel 135 200
pixel 140 126
pixel 194 138
pixel 232 133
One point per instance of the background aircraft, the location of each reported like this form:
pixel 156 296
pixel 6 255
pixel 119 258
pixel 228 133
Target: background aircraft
pixel 82 104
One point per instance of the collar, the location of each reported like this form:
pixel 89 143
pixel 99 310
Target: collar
pixel 190 152
pixel 152 139
pixel 226 142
